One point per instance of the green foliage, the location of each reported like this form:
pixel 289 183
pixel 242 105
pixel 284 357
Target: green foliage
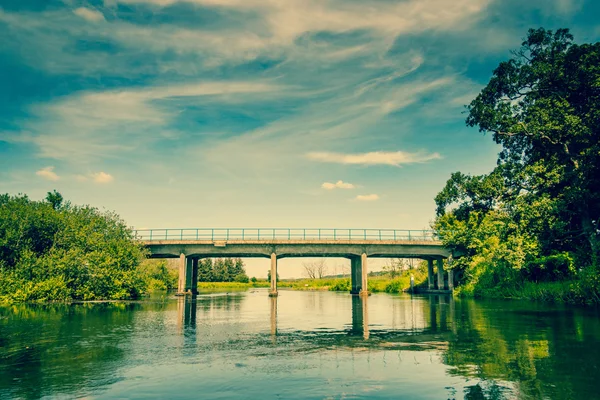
pixel 52 251
pixel 241 278
pixel 341 285
pixel 158 275
pixel 537 214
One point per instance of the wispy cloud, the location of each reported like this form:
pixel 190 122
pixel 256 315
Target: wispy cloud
pixel 92 125
pixel 48 173
pixel 396 158
pixel 367 197
pixel 89 14
pixel 337 185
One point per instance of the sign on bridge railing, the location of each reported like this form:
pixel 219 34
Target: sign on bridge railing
pixel 260 234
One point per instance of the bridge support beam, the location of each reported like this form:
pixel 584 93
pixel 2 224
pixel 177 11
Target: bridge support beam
pixel 355 275
pixel 185 284
pixel 195 276
pixel 450 274
pixel 364 271
pixel 440 272
pixel 273 290
pixel 430 284
pixel 182 273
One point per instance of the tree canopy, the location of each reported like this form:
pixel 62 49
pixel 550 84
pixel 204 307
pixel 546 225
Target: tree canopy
pixel 543 107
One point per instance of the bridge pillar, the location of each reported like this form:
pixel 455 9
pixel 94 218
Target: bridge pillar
pixel 450 274
pixel 273 291
pixel 363 261
pixel 182 271
pixel 189 274
pixel 430 284
pixel 440 271
pixel 195 276
pixel 355 275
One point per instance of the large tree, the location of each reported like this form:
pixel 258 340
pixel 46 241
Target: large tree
pixel 543 107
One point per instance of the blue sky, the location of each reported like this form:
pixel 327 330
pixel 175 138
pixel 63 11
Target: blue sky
pixel 255 113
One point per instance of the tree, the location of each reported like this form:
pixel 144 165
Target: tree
pixel 543 107
pixel 315 269
pixel 395 267
pixel 55 199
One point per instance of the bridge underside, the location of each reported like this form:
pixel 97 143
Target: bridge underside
pixel 357 251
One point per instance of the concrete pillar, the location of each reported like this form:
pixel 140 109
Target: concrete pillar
pixel 189 274
pixel 182 271
pixel 430 284
pixel 195 276
pixel 440 273
pixel 364 273
pixel 355 275
pixel 273 291
pixel 450 274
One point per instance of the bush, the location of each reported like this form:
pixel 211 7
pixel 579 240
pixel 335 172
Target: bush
pixel 55 252
pixel 242 278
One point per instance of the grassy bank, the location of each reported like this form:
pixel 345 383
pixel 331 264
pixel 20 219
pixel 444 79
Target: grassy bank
pixel 576 292
pixel 376 284
pixel 232 285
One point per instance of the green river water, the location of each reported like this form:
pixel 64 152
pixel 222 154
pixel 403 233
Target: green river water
pixel 301 345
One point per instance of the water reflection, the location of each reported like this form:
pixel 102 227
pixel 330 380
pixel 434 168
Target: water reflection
pixel 316 344
pixel 360 316
pixel 273 319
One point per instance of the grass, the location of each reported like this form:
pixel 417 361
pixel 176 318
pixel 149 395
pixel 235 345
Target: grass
pixel 232 285
pixel 564 292
pixel 375 283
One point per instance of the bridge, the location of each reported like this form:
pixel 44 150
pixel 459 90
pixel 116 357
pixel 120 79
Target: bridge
pixel 358 245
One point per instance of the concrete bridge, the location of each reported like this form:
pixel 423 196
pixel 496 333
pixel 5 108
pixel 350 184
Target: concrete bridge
pixel 358 245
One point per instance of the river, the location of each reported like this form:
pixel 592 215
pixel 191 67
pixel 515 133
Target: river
pixel 300 345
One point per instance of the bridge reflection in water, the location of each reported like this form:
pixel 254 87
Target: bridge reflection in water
pixel 417 322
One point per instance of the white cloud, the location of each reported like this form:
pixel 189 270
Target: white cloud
pixel 48 173
pixel 367 197
pixel 337 185
pixel 102 177
pixel 396 158
pixel 89 14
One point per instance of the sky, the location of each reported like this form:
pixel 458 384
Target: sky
pixel 255 113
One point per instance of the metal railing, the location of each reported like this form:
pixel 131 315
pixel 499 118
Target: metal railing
pixel 296 234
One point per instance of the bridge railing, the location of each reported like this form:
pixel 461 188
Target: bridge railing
pixel 210 234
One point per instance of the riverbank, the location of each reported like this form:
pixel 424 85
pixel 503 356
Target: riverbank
pixel 375 283
pixel 575 292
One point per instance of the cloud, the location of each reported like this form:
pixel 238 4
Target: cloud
pixel 89 14
pixel 48 173
pixel 97 124
pixel 367 197
pixel 102 177
pixel 396 158
pixel 337 185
